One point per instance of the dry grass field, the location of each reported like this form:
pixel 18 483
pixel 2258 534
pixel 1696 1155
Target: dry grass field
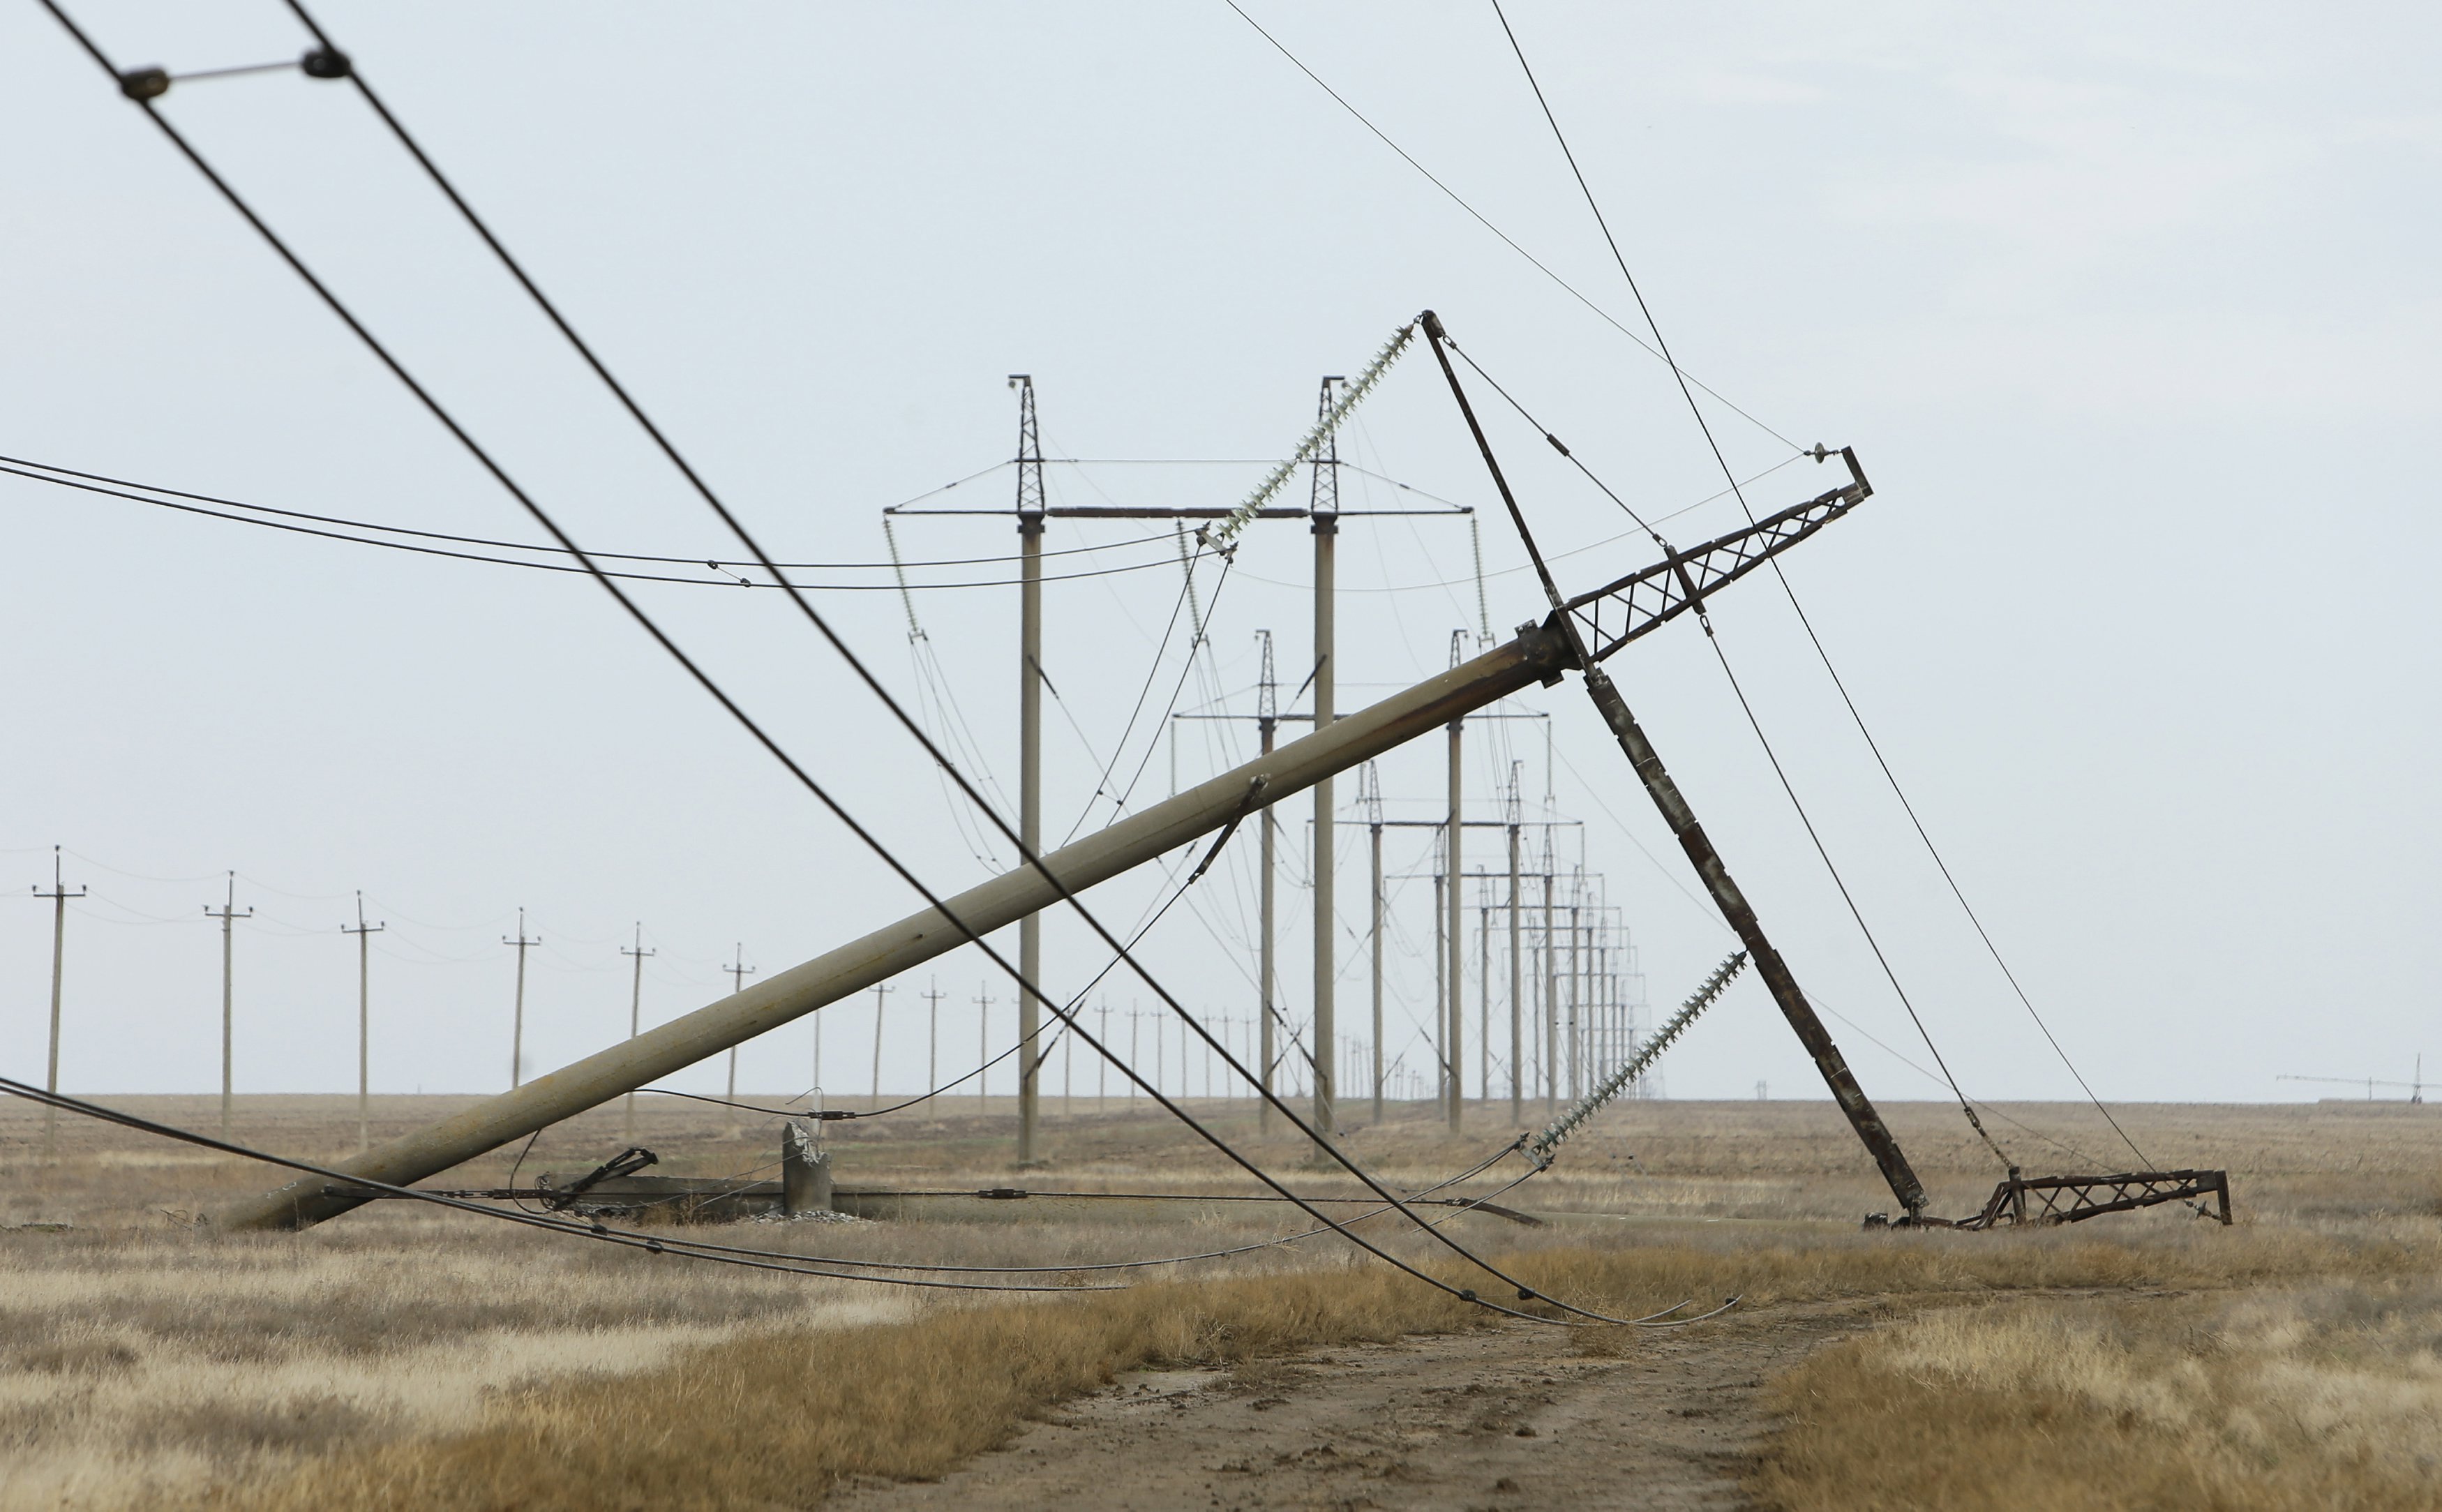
pixel 406 1356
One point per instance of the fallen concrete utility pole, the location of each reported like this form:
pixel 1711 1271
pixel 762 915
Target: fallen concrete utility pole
pixel 1539 654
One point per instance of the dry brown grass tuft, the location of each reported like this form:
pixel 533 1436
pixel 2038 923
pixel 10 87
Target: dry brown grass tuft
pixel 404 1358
pixel 775 1420
pixel 2266 1402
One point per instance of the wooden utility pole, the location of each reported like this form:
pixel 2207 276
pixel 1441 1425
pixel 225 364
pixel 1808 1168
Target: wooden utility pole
pixel 59 895
pixel 636 1010
pixel 229 915
pixel 364 933
pixel 517 1022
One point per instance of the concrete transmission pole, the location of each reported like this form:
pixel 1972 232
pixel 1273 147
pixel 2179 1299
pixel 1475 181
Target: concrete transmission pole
pixel 1484 991
pixel 1457 906
pixel 636 1012
pixel 983 1040
pixel 881 990
pixel 933 995
pixel 1371 784
pixel 229 915
pixel 1266 726
pixel 1030 504
pixel 1551 990
pixel 1518 998
pixel 738 970
pixel 517 1021
pixel 364 933
pixel 1324 510
pixel 59 895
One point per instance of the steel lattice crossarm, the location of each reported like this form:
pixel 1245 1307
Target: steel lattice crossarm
pixel 2073 1200
pixel 1542 1145
pixel 1642 601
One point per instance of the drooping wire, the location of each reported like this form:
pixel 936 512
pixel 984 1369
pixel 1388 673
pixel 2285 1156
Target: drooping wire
pixel 287 524
pixel 1663 349
pixel 1102 778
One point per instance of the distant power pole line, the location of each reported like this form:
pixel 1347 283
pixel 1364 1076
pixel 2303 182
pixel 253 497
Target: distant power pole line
pixel 933 995
pixel 59 895
pixel 364 933
pixel 983 1038
pixel 517 1022
pixel 228 915
pixel 636 1009
pixel 880 991
pixel 738 970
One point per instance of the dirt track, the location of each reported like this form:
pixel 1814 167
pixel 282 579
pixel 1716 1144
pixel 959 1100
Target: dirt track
pixel 1512 1417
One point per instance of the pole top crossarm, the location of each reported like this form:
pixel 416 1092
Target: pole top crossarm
pixel 1643 601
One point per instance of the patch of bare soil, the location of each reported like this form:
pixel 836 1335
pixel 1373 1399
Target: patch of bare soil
pixel 1512 1418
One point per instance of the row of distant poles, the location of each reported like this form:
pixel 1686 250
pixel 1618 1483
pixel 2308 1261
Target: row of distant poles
pixel 1322 514
pixel 1578 956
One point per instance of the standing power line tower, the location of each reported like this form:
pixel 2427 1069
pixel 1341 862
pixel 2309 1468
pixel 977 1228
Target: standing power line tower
pixel 229 915
pixel 59 895
pixel 364 933
pixel 635 1010
pixel 518 1018
pixel 1031 506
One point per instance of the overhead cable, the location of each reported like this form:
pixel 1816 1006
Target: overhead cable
pixel 1663 350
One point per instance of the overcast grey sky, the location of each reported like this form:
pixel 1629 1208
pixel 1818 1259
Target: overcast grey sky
pixel 2130 311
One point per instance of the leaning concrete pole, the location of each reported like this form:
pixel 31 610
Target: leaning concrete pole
pixel 1536 656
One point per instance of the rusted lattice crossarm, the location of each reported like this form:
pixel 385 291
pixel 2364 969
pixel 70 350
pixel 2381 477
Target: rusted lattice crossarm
pixel 1616 613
